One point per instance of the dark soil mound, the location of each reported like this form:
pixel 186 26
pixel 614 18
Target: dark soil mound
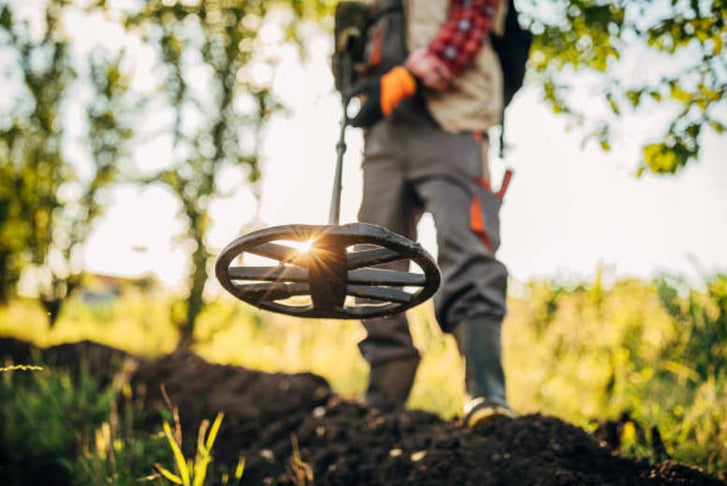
pixel 340 442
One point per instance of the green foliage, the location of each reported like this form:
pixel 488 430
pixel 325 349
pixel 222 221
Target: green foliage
pixel 194 471
pixel 12 235
pixel 209 53
pixel 207 57
pixel 63 425
pixel 137 322
pixel 55 424
pixel 117 453
pixel 653 353
pixel 701 347
pixel 50 419
pixel 684 40
pixel 48 199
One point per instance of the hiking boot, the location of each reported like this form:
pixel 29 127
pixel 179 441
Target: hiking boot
pixel 390 383
pixel 478 340
pixel 479 411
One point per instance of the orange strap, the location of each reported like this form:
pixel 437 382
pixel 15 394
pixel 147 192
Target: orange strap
pixel 396 85
pixel 505 184
pixel 477 224
pixel 503 187
pixel 377 48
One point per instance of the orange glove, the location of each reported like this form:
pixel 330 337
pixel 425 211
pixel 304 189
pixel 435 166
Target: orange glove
pixel 382 95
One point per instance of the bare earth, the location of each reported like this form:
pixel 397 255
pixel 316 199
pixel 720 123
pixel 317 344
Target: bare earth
pixel 341 442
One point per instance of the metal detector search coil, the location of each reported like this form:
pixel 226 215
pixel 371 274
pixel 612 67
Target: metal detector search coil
pixel 328 271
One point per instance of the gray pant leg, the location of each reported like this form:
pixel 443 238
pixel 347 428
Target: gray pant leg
pixel 389 201
pixel 474 283
pixel 451 178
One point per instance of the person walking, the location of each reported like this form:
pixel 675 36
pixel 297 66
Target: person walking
pixel 430 88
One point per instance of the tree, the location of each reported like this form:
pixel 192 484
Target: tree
pixel 11 234
pixel 684 40
pixel 208 51
pixel 48 198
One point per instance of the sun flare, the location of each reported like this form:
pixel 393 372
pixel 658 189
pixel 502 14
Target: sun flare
pixel 303 246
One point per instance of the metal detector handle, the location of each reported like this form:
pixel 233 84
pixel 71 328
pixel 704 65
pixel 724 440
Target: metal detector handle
pixel 335 211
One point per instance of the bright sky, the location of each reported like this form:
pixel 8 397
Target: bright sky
pixel 568 211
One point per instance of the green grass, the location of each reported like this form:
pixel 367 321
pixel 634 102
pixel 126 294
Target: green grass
pixel 582 352
pixel 56 425
pixel 136 323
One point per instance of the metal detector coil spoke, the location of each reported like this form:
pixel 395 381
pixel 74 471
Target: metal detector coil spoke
pixel 332 274
pixel 329 271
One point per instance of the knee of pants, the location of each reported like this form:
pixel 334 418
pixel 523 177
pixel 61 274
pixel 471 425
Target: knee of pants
pixel 478 289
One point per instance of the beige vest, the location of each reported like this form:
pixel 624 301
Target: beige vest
pixel 478 104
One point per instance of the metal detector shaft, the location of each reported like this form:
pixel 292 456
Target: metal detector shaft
pixel 335 211
pixel 334 214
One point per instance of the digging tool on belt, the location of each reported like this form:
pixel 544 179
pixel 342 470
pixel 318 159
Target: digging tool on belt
pixel 328 271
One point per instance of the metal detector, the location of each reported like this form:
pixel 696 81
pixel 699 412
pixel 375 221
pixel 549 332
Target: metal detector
pixel 328 271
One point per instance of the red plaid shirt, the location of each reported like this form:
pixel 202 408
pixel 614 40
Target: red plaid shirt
pixel 462 35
